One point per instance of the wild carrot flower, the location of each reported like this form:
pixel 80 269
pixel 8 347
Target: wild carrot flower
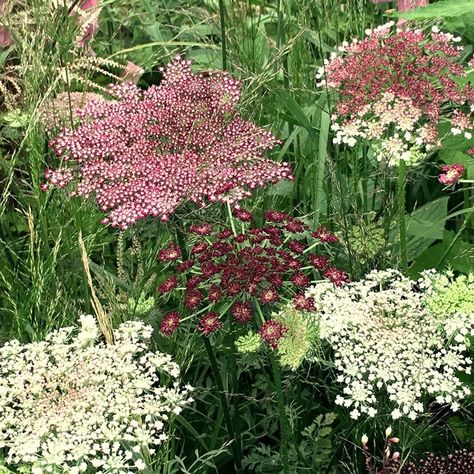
pixel 145 153
pixel 262 265
pixel 393 339
pixel 393 87
pixel 73 404
pixel 451 174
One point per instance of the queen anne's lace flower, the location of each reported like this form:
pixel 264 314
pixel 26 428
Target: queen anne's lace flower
pixel 393 87
pixel 71 404
pixel 389 343
pixel 145 153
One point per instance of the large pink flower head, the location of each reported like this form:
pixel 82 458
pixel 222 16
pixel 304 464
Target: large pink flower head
pixel 393 88
pixel 145 153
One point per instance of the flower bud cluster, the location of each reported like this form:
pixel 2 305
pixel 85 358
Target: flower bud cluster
pixel 72 404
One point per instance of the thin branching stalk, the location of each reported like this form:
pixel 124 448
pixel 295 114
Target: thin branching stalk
pixel 222 15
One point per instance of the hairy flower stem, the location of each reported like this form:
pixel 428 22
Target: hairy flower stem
pixel 284 423
pixel 225 406
pixel 223 34
pixel 401 215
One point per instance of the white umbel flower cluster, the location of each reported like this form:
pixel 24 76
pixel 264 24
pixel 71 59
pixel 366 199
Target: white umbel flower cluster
pixel 71 404
pixel 390 350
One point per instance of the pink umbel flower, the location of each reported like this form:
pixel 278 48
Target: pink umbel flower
pixel 170 323
pixel 271 332
pixel 451 174
pixel 209 323
pixel 394 88
pixel 146 153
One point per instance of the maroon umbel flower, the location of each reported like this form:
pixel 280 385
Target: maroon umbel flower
pixel 268 296
pixel 233 270
pixel 451 174
pixel 169 253
pixel 203 229
pixel 338 277
pixel 147 152
pixel 271 332
pixel 209 323
pixel 242 312
pixel 302 303
pixel 170 323
pixel 318 261
pixel 169 284
pixel 300 279
pixel 324 235
pixel 192 298
pixel 243 215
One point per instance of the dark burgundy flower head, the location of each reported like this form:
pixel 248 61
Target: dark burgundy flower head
pixel 268 296
pixel 199 248
pixel 295 226
pixel 193 282
pixel 243 215
pixel 271 332
pixel 203 229
pixel 170 253
pixel 224 234
pixel 192 298
pixel 209 323
pixel 241 238
pixel 242 311
pixel 302 303
pixel 275 216
pixel 185 266
pixel 318 261
pixel 297 246
pixel 170 323
pixel 168 285
pixel 214 293
pixel 338 277
pixel 300 279
pixel 324 235
pixel 234 289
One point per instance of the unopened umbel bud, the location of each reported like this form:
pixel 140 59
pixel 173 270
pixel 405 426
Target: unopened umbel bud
pixel 396 455
pixel 364 440
pixel 388 431
pixel 394 440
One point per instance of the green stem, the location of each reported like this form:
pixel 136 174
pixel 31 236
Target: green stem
pixel 401 215
pixel 225 406
pixel 223 34
pixel 284 424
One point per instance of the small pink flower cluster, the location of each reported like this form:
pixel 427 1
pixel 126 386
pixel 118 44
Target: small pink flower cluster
pixel 451 174
pixel 392 89
pixel 264 264
pixel 148 152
